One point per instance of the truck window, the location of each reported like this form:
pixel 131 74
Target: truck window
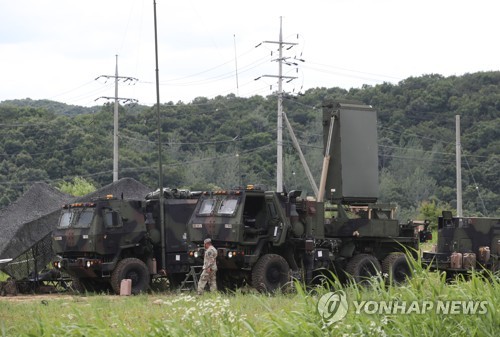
pixel 227 206
pixel 207 207
pixel 112 219
pixel 65 219
pixel 76 218
pixel 85 218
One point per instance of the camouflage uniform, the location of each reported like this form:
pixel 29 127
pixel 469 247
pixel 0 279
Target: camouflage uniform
pixel 209 263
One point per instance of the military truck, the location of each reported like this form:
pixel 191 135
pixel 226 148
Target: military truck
pixel 465 244
pixel 103 241
pixel 263 237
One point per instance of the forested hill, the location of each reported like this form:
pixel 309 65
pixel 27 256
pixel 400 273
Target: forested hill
pixel 228 141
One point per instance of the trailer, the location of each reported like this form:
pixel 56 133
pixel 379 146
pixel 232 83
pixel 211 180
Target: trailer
pixel 465 244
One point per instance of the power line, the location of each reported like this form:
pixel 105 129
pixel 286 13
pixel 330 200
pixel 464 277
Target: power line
pixel 362 75
pixel 477 187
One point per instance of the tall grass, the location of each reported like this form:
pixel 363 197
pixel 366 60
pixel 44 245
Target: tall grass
pixel 252 314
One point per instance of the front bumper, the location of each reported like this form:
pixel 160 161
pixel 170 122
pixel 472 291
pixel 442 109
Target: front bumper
pixel 84 267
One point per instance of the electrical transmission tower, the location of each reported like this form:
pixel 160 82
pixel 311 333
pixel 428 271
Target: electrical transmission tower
pixel 281 60
pixel 117 99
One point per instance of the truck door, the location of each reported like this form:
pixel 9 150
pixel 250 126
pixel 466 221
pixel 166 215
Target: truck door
pixel 277 221
pixel 113 231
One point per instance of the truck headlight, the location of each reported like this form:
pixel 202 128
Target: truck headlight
pixel 230 254
pixel 196 254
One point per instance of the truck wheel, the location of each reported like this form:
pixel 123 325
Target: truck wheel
pixel 363 266
pixel 270 273
pixel 134 269
pixel 396 267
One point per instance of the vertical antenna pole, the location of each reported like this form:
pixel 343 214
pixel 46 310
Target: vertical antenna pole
pixel 459 165
pixel 279 151
pixel 115 126
pixel 160 172
pixel 236 65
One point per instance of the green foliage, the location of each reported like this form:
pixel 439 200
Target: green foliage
pixel 77 187
pixel 430 210
pixel 293 313
pixel 228 141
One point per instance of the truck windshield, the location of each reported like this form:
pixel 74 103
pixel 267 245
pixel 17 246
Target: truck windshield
pixel 227 206
pixel 76 218
pixel 207 206
pixel 85 218
pixel 65 219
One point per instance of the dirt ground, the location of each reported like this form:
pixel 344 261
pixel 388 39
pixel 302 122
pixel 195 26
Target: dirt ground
pixel 36 297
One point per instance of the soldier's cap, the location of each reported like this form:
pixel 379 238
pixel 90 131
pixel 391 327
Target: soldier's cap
pixel 207 240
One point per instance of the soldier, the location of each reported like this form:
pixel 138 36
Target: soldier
pixel 209 268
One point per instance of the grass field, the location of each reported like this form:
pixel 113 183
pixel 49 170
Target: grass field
pixel 250 314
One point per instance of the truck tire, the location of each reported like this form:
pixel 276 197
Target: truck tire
pixel 396 266
pixel 134 269
pixel 362 267
pixel 270 273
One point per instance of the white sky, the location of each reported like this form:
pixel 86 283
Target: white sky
pixel 54 49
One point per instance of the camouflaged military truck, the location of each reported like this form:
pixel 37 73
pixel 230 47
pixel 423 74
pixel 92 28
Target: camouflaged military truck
pixel 103 241
pixel 464 244
pixel 263 237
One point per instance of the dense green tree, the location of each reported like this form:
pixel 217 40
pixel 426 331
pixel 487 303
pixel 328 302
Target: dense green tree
pixel 77 187
pixel 431 210
pixel 229 140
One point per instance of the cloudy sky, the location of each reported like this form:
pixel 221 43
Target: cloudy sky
pixel 55 49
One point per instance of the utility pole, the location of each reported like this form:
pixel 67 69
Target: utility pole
pixel 280 77
pixel 115 119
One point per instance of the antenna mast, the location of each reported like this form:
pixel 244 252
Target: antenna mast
pixel 160 171
pixel 236 65
pixel 458 149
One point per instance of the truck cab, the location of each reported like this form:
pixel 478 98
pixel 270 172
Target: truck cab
pixel 102 242
pixel 91 238
pixel 238 222
pixel 257 233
